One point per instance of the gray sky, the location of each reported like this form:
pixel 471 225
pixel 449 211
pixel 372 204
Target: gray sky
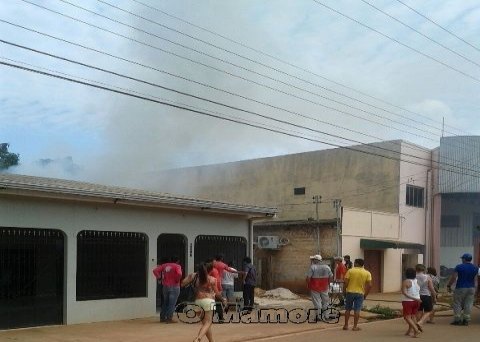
pixel 72 131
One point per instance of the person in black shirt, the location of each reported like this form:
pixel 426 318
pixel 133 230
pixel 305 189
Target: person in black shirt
pixel 348 262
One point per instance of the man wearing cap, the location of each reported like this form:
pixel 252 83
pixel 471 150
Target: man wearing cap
pixel 318 280
pixel 466 277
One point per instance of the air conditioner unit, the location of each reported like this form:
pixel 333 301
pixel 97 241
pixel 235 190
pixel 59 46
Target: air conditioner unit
pixel 268 242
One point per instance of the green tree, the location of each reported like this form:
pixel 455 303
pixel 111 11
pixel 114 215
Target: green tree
pixel 7 159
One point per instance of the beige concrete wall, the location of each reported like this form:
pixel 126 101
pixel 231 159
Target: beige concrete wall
pixel 415 220
pixel 358 224
pixel 358 179
pixel 392 270
pixel 72 217
pixel 368 224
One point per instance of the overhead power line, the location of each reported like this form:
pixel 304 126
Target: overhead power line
pixel 201 98
pixel 188 80
pixel 146 98
pixel 200 83
pixel 421 33
pixel 289 63
pixel 241 67
pixel 254 61
pixel 328 107
pixel 398 42
pixel 437 25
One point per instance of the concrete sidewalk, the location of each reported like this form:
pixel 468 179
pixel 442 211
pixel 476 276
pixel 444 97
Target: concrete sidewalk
pixel 149 330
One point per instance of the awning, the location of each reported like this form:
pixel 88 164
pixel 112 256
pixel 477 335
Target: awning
pixel 384 244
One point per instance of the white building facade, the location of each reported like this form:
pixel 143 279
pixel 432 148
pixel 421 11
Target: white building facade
pixel 76 252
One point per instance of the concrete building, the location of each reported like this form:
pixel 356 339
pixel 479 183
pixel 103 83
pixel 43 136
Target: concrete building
pixel 370 201
pixel 74 252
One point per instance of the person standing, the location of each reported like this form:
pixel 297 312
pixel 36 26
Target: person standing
pixel 339 278
pixel 218 271
pixel 228 281
pixel 432 273
pixel 206 292
pixel 348 262
pixel 171 274
pixel 318 279
pixel 249 282
pixel 428 295
pixel 358 282
pixel 159 277
pixel 463 297
pixel 411 301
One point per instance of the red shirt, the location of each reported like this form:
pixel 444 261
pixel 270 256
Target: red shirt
pixel 214 273
pixel 170 273
pixel 222 267
pixel 340 271
pixel 318 284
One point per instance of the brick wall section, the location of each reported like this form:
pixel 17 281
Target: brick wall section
pixel 287 267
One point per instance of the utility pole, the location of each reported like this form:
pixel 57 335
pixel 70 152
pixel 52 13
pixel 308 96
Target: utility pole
pixel 337 204
pixel 317 200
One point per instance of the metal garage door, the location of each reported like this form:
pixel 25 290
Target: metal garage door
pixel 31 277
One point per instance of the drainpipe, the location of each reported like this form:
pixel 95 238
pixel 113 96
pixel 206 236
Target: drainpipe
pixel 250 238
pixel 427 255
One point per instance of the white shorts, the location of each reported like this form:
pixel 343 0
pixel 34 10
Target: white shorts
pixel 207 304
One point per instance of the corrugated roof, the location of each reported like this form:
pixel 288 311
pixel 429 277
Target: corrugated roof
pixel 62 188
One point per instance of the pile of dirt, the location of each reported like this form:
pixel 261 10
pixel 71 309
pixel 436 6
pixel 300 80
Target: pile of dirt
pixel 280 293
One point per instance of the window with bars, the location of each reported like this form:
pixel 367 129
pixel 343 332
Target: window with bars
pixel 111 265
pixel 414 196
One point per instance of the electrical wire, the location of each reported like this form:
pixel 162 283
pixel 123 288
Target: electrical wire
pixel 205 99
pixel 238 76
pixel 437 25
pixel 228 106
pixel 290 64
pixel 398 42
pixel 255 61
pixel 189 80
pixel 235 75
pixel 421 33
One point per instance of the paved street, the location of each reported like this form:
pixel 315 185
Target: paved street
pixel 150 330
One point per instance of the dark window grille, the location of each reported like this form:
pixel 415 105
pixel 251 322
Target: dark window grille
pixel 299 191
pixel 414 196
pixel 234 249
pixel 111 265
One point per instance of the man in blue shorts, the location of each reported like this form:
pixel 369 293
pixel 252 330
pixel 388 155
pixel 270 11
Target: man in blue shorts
pixel 358 282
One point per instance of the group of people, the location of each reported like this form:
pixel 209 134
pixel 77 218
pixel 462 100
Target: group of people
pixel 213 284
pixel 355 282
pixel 420 291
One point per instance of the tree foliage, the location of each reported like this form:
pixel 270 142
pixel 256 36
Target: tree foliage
pixel 7 159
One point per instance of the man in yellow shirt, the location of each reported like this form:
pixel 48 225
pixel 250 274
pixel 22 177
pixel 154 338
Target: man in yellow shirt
pixel 358 282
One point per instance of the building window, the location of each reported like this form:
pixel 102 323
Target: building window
pixel 414 196
pixel 111 265
pixel 299 191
